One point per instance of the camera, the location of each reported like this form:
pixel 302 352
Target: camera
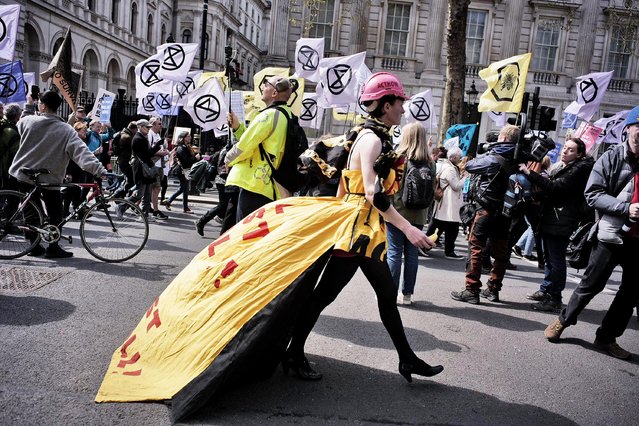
pixel 533 146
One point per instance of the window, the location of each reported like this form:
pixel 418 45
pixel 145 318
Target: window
pixel 163 34
pixel 620 50
pixel 115 11
pixel 91 5
pixel 187 36
pixel 546 45
pixel 149 30
pixel 475 36
pixel 134 18
pixel 396 32
pixel 206 46
pixel 321 20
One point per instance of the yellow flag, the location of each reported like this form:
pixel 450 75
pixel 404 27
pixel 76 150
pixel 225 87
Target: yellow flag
pixel 261 76
pixel 506 84
pixel 250 108
pixel 346 115
pixel 221 78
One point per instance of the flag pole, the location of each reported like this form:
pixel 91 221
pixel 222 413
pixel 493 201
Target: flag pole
pixel 228 57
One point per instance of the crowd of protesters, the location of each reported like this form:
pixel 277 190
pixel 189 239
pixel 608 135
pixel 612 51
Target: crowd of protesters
pixel 573 191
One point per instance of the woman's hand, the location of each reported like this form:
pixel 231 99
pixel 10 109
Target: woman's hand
pixel 524 169
pixel 233 121
pixel 418 238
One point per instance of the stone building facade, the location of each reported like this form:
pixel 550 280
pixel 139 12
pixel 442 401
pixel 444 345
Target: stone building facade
pixel 568 38
pixel 111 37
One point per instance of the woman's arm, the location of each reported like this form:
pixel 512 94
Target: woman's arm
pixel 368 149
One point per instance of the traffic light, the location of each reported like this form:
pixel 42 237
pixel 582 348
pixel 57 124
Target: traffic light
pixel 546 122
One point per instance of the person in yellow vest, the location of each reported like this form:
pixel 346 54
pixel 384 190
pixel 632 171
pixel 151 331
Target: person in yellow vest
pixel 250 171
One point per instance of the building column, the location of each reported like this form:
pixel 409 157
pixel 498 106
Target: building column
pixel 436 28
pixel 278 34
pixel 587 32
pixel 514 10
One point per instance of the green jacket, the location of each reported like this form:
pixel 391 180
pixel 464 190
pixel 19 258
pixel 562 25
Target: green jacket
pixel 249 170
pixel 9 143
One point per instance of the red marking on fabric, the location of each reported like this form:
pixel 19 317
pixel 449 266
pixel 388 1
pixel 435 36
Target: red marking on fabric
pixel 126 345
pixel 155 321
pixel 259 213
pixel 228 270
pixel 148 312
pixel 260 232
pixel 217 242
pixel 279 208
pixel 123 363
pixel 133 373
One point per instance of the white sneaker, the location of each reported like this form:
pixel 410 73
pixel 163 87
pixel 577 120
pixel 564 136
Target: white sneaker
pixel 404 299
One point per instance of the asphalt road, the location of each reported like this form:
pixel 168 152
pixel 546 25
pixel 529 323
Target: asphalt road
pixel 57 341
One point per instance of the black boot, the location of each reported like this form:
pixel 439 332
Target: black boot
pixel 300 366
pixel 418 367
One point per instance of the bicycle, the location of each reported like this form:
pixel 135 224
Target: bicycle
pixel 109 237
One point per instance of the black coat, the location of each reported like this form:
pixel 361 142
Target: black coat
pixel 564 204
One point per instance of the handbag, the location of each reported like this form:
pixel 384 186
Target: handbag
pixel 149 173
pixel 579 246
pixel 439 191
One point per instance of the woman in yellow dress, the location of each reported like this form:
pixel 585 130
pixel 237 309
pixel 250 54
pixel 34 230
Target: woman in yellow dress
pixel 228 316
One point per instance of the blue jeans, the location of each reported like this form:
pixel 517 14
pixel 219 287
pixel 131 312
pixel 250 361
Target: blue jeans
pixel 398 244
pixel 527 242
pixel 554 265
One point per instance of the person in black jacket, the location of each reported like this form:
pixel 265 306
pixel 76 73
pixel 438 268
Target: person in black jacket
pixel 563 209
pixel 494 169
pixel 185 160
pixel 122 149
pixel 140 149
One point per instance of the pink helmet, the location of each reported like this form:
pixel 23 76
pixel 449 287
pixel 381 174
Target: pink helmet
pixel 381 84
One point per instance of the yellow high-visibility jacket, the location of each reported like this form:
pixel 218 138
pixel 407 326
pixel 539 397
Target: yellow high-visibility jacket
pixel 249 170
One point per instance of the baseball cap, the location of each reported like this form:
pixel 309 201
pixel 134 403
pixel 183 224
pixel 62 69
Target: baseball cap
pixel 282 84
pixel 143 123
pixel 633 117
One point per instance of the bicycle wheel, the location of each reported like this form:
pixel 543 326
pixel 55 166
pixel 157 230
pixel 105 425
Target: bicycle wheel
pixel 15 237
pixel 114 237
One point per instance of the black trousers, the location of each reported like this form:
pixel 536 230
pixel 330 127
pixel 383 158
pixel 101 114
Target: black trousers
pixel 220 209
pixel 450 230
pixel 52 201
pixel 337 274
pixel 248 202
pixel 603 260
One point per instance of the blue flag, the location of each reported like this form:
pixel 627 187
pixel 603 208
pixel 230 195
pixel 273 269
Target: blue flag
pixel 568 121
pixel 464 132
pixel 12 87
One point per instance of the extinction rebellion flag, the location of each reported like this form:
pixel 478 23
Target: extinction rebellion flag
pixel 590 92
pixel 338 79
pixel 420 109
pixel 206 105
pixel 9 17
pixel 612 127
pixel 12 87
pixel 147 77
pixel 464 132
pixel 311 114
pixel 176 60
pixel 506 84
pixel 308 53
pixel 64 78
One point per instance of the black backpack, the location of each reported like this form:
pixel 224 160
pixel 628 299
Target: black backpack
pixel 418 189
pixel 296 143
pixel 115 144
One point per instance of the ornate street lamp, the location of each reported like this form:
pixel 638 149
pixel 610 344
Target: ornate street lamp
pixel 472 98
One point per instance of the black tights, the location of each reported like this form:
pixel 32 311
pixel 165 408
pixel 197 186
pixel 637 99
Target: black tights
pixel 337 274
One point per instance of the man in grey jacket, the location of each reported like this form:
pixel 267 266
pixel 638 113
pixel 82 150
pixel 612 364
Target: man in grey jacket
pixel 613 190
pixel 47 142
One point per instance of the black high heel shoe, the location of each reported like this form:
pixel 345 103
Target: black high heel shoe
pixel 301 368
pixel 418 367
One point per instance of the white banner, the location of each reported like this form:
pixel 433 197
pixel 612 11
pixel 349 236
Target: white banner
pixel 147 78
pixel 206 105
pixel 498 117
pixel 339 79
pixel 612 127
pixel 221 131
pixel 96 111
pixel 29 81
pixel 9 19
pixel 419 108
pixel 308 53
pixel 176 60
pixel 182 88
pixel 311 114
pixel 590 92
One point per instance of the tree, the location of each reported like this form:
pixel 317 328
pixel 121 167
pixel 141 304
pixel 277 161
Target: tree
pixel 453 100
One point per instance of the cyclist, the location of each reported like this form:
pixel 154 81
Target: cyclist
pixel 46 141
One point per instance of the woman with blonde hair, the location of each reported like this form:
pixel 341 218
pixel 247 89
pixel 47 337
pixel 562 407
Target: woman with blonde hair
pixel 414 147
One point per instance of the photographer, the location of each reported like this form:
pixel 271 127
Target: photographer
pixel 563 208
pixel 493 169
